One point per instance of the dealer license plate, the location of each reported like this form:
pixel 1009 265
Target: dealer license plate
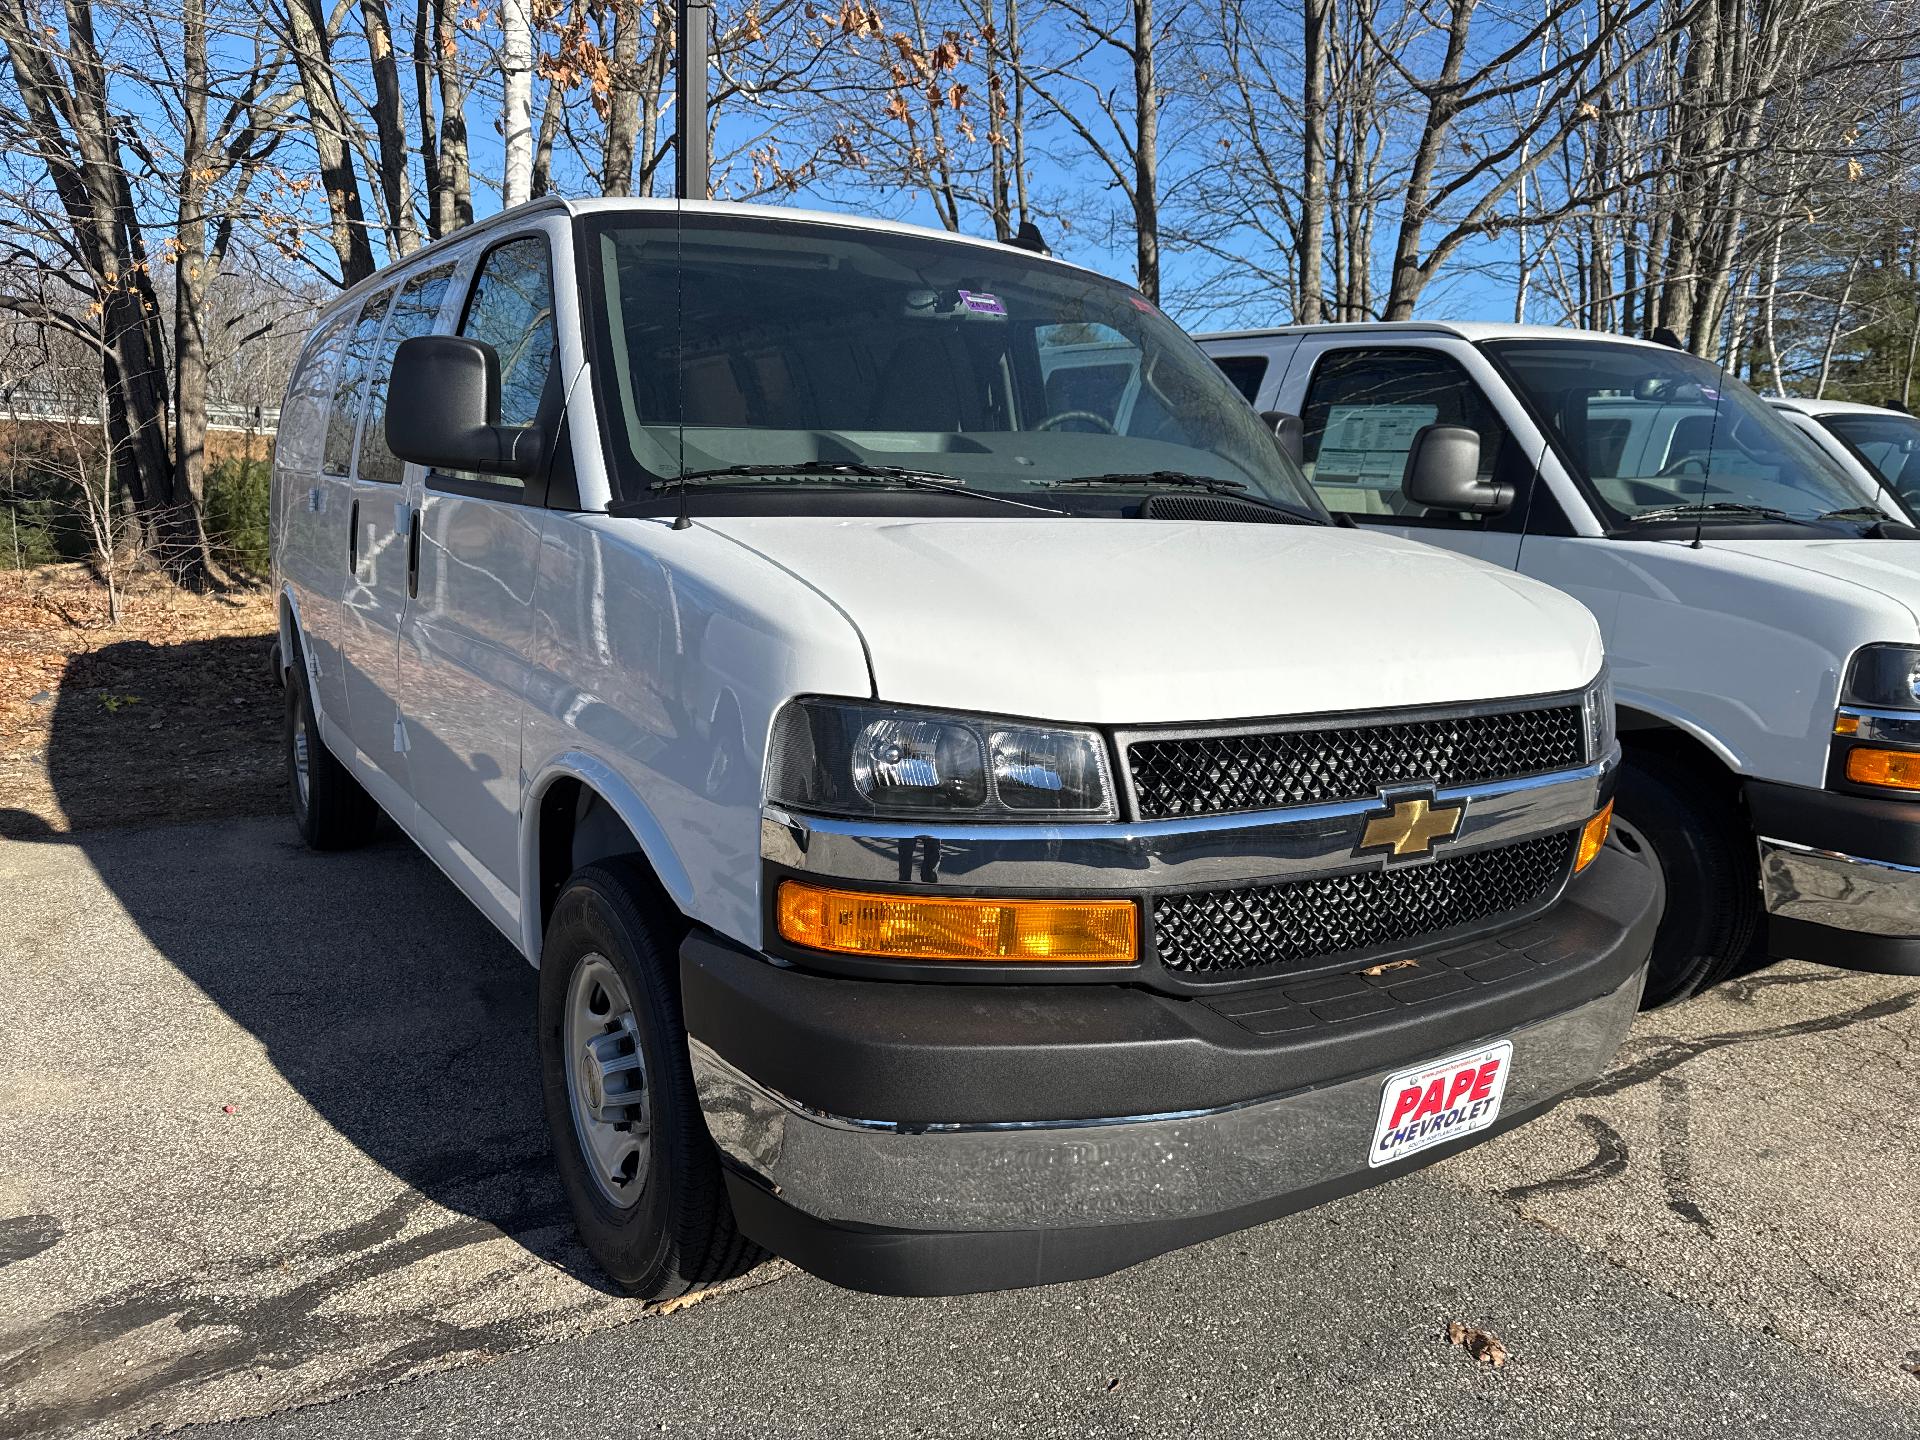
pixel 1440 1102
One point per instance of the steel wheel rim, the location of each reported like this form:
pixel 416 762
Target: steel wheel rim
pixel 302 775
pixel 607 1081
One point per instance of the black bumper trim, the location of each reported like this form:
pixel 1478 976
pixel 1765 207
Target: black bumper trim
pixel 927 1054
pixel 1863 825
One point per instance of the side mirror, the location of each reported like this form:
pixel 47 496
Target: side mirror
pixel 443 409
pixel 1443 472
pixel 1288 432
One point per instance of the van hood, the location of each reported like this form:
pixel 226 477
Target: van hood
pixel 1151 621
pixel 1890 568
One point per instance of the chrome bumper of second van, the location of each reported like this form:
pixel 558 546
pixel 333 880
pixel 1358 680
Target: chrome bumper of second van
pixel 1140 855
pixel 1844 892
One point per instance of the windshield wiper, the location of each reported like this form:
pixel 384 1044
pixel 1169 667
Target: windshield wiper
pixel 1179 478
pixel 845 470
pixel 1716 507
pixel 1855 512
pixel 1185 480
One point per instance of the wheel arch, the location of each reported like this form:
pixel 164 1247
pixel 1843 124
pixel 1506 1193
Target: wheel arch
pixel 1645 731
pixel 579 810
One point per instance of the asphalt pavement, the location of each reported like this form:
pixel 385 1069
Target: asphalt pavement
pixel 271 1162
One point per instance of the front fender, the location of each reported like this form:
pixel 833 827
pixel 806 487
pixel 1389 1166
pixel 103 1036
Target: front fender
pixel 624 801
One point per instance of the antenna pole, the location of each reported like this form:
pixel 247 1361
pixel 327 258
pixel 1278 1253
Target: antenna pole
pixel 693 30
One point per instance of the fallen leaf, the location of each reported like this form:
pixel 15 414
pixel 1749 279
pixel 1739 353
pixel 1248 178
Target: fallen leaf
pixel 1483 1345
pixel 679 1302
pixel 1409 963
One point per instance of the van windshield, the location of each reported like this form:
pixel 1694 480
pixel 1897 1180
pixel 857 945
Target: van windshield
pixel 1653 430
pixel 751 345
pixel 1888 445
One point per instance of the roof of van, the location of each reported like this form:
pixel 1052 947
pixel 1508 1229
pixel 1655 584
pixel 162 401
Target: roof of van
pixel 725 208
pixel 1831 407
pixel 1471 330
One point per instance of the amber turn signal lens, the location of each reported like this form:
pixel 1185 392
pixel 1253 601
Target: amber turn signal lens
pixel 1846 724
pixel 916 927
pixel 1896 769
pixel 1593 837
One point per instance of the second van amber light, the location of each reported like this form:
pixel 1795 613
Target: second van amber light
pixel 1593 837
pixel 1896 769
pixel 914 927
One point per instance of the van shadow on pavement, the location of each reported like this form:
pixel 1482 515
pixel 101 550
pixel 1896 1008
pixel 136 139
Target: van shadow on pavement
pixel 376 990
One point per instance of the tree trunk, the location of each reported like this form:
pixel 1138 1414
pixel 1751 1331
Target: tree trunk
pixel 390 126
pixel 1313 159
pixel 1146 155
pixel 623 100
pixel 456 189
pixel 516 116
pixel 187 555
pixel 327 122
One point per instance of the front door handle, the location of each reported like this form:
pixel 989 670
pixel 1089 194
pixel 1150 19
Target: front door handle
pixel 353 535
pixel 413 554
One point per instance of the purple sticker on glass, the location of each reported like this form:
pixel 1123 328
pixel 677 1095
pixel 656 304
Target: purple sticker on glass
pixel 1709 394
pixel 981 303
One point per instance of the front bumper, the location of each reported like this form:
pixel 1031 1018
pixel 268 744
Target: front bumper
pixel 1840 875
pixel 924 1139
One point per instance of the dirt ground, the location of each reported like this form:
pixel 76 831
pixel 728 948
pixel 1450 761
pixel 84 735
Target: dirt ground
pixel 183 682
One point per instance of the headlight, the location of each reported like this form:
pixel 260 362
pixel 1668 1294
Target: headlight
pixel 849 757
pixel 1884 677
pixel 1598 703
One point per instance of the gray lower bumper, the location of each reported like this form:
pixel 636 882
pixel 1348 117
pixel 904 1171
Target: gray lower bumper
pixel 1841 891
pixel 1039 1175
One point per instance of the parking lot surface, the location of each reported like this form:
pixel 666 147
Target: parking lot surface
pixel 270 1146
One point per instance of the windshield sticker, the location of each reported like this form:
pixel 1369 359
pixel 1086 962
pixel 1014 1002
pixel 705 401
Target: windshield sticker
pixel 1366 445
pixel 1707 394
pixel 1143 306
pixel 978 302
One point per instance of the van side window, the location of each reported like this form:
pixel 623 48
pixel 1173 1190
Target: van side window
pixel 303 414
pixel 414 312
pixel 1361 414
pixel 1246 372
pixel 350 388
pixel 512 310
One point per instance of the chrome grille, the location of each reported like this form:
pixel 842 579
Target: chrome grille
pixel 1215 932
pixel 1224 774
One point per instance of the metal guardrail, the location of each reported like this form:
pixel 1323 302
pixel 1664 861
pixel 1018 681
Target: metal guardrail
pixel 260 419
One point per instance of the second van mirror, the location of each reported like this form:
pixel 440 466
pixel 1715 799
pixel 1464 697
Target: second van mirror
pixel 443 409
pixel 1443 472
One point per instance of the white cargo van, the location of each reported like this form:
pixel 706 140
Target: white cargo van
pixel 1877 447
pixel 976 820
pixel 1762 615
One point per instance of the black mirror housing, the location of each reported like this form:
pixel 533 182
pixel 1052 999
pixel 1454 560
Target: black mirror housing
pixel 1443 472
pixel 443 409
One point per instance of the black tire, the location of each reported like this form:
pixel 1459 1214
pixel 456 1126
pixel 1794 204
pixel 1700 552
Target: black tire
pixel 1705 853
pixel 676 1233
pixel 332 811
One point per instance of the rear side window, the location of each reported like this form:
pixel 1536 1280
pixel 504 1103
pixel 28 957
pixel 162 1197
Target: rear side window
pixel 350 388
pixel 303 415
pixel 1247 372
pixel 414 312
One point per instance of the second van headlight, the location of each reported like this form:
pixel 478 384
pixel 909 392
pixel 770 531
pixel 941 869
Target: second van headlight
pixel 847 757
pixel 1598 703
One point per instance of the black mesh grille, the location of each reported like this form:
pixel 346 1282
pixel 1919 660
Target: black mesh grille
pixel 1211 932
pixel 1222 774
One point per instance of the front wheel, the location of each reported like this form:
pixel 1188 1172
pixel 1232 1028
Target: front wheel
pixel 1668 816
pixel 632 1149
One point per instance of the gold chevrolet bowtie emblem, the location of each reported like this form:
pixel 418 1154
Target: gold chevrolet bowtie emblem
pixel 1411 827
